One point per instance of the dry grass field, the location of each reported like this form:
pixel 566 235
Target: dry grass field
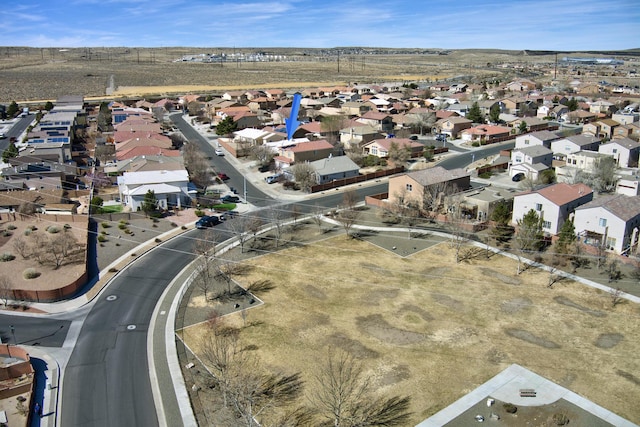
pixel 43 74
pixel 432 329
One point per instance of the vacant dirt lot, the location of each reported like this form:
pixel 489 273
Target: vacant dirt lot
pixel 42 74
pixel 432 329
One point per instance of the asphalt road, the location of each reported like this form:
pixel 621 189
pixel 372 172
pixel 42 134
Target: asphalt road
pixel 15 131
pixel 106 380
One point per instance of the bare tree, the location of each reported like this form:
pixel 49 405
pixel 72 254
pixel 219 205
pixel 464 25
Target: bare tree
pixel 433 197
pixel 205 247
pixel 349 214
pixel 318 216
pixel 399 154
pixel 342 394
pixel 614 294
pixel 225 268
pixel 612 268
pixel 262 153
pixel 276 218
pixel 22 247
pixel 423 120
pixel 196 164
pixel 305 175
pixel 6 289
pixel 222 352
pixel 240 227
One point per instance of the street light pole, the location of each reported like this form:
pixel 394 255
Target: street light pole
pixel 244 183
pixel 13 333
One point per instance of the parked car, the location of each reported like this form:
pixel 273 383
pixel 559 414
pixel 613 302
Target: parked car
pixel 273 179
pixel 265 168
pixel 219 152
pixel 413 137
pixel 207 221
pixel 230 199
pixel 518 177
pixel 441 137
pixel 223 176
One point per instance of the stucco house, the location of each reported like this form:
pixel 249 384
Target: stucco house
pixel 410 188
pixel 553 203
pixel 380 121
pixel 171 188
pixel 307 151
pixel 332 168
pixel 625 150
pixel 452 126
pixel 565 146
pixel 543 137
pixel 612 220
pixel 356 136
pixel 380 147
pixel 485 134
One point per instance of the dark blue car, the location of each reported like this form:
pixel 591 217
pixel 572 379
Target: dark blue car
pixel 207 221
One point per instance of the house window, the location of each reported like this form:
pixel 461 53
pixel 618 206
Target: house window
pixel 546 224
pixel 374 150
pixel 602 222
pixel 526 142
pixel 409 187
pixel 615 150
pixel 611 242
pixel 538 207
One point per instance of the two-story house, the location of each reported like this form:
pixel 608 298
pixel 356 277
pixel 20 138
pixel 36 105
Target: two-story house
pixel 612 221
pixel 355 136
pixel 572 144
pixel 624 150
pixel 412 187
pixel 530 161
pixel 543 137
pixel 452 126
pixel 553 204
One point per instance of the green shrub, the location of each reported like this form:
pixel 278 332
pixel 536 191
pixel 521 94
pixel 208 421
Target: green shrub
pixel 102 238
pixel 475 144
pixel 7 257
pixel 199 213
pixel 7 233
pixel 11 227
pixel 158 240
pixel 53 229
pixel 122 226
pixel 183 227
pixel 485 175
pixel 127 231
pixel 122 221
pixel 32 228
pixel 30 273
pixel 173 224
pixel 105 225
pixel 66 227
pixel 27 231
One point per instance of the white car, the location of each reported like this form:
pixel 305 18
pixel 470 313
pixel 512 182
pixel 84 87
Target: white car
pixel 219 152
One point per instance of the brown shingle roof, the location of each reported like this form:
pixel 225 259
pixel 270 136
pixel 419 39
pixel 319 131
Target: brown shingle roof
pixel 561 194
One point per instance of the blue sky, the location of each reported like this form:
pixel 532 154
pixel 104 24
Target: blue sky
pixel 529 24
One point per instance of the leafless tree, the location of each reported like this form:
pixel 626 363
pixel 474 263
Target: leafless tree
pixel 433 197
pixel 612 268
pixel 6 289
pixel 276 218
pixel 196 164
pixel 398 154
pixel 331 125
pixel 342 394
pixel 422 121
pixel 318 216
pixel 349 214
pixel 205 248
pixel 616 296
pixel 240 227
pixel 262 153
pixel 225 268
pixel 22 247
pixel 223 355
pixel 305 175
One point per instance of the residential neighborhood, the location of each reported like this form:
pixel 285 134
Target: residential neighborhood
pixel 495 165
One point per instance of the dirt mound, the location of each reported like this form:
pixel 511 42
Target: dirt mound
pixel 608 340
pixel 566 301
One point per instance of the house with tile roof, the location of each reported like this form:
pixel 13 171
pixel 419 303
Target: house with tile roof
pixel 485 134
pixel 611 220
pixel 626 151
pixel 554 204
pixel 380 147
pixel 411 187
